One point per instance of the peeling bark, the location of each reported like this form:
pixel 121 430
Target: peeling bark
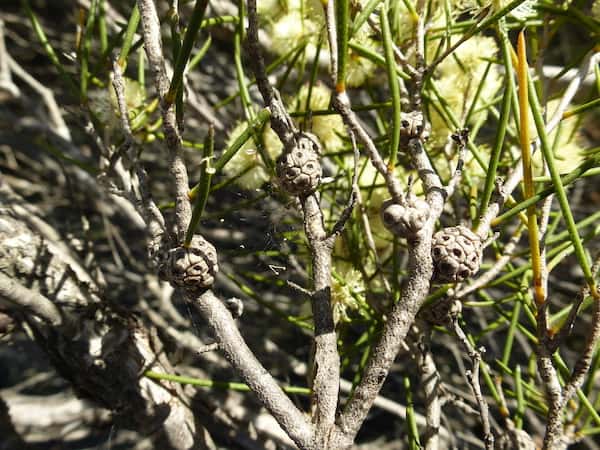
pixel 99 347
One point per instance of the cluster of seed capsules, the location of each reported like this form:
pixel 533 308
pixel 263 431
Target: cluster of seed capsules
pixel 195 266
pixel 456 251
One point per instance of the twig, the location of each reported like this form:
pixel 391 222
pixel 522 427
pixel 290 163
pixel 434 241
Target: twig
pixel 58 124
pixel 17 295
pixel 473 378
pixel 397 52
pixel 551 382
pixel 177 169
pixel 430 383
pixel 332 39
pixel 222 325
pixel 6 82
pixel 460 138
pixel 365 220
pixel 354 192
pixel 154 219
pixel 341 103
pixel 281 122
pixel 584 362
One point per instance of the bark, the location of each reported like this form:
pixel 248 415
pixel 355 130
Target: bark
pixel 102 349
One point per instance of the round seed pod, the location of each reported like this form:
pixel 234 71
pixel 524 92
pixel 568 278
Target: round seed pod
pixel 193 268
pixel 456 253
pixel 413 126
pixel 405 221
pixel 298 168
pixel 442 312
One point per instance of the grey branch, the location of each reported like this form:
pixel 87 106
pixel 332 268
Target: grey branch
pixel 281 122
pixel 341 103
pixel 430 380
pixel 91 348
pixel 558 397
pixel 32 302
pixel 222 325
pixel 326 368
pixel 153 46
pixel 154 219
pixel 473 379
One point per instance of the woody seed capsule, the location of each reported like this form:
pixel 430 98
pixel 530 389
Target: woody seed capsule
pixel 193 268
pixel 299 168
pixel 405 221
pixel 456 253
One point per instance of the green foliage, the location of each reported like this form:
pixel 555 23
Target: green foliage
pixel 469 82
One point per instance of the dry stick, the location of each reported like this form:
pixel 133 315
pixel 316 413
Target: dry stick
pixel 177 169
pixel 222 325
pixel 554 435
pixel 326 376
pixel 430 382
pixel 6 82
pixel 473 378
pixel 146 206
pixel 21 297
pixel 403 313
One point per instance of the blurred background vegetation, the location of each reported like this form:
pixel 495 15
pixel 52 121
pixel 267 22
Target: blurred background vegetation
pixel 58 164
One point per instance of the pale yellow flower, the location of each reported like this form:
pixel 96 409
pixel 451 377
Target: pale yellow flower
pixel 269 8
pixel 358 68
pixel 457 79
pixel 566 141
pixel 247 164
pixel 344 293
pixel 327 128
pixel 302 22
pixel 103 102
pixel 596 10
